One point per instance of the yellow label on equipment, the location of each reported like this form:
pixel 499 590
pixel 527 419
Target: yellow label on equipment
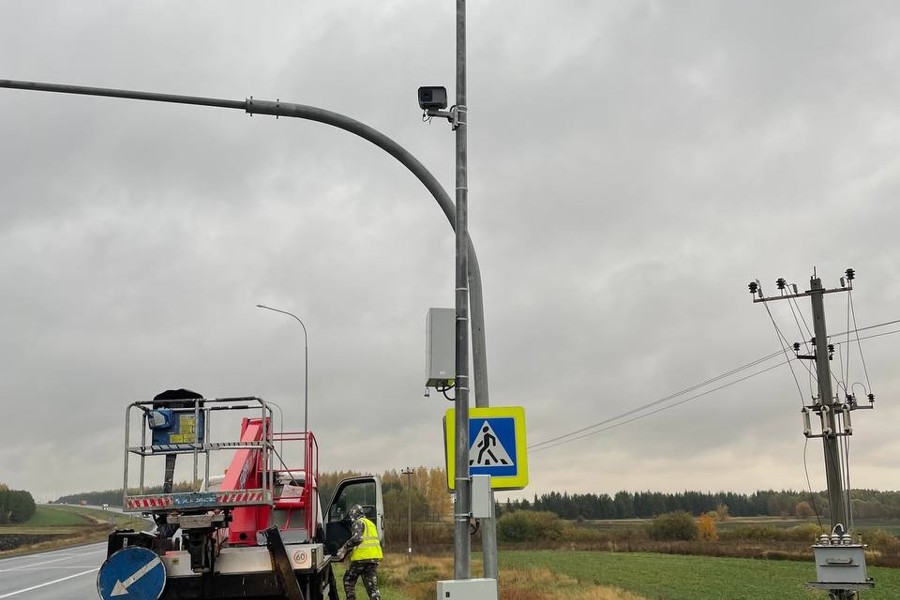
pixel 187 430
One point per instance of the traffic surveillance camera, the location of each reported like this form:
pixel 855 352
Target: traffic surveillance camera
pixel 432 97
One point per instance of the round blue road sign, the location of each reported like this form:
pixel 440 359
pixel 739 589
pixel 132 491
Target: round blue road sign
pixel 132 573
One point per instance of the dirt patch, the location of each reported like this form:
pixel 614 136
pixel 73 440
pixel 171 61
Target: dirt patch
pixel 12 541
pixel 14 544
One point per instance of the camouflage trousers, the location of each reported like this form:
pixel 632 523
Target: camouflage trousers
pixel 368 570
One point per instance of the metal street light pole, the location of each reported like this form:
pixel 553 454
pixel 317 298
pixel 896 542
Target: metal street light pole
pixel 408 472
pixel 305 364
pixel 463 506
pixel 471 298
pixel 467 298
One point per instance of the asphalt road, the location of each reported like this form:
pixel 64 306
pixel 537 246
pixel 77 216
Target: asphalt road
pixel 69 574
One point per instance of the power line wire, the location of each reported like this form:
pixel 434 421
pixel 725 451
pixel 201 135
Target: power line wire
pixel 812 496
pixel 585 431
pixel 661 400
pixel 861 357
pixel 547 445
pixel 795 309
pixel 878 335
pixel 783 340
pixel 845 373
pixel 857 330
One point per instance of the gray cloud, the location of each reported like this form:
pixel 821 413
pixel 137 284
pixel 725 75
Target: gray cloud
pixel 633 165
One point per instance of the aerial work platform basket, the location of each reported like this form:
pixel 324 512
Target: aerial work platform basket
pixel 158 431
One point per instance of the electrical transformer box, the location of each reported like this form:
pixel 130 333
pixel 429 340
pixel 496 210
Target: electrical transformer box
pixel 840 563
pixel 467 589
pixel 482 500
pixel 440 347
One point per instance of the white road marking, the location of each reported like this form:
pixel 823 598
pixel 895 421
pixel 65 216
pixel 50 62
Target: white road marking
pixel 34 587
pixel 47 562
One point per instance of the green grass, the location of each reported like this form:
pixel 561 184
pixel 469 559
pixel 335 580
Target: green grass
pixel 62 526
pixel 891 526
pixel 56 516
pixel 67 516
pixel 385 588
pixel 677 577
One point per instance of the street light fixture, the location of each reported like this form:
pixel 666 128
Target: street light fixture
pixel 305 364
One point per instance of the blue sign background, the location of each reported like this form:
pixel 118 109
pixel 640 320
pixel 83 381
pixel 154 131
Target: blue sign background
pixel 186 500
pixel 505 429
pixel 125 563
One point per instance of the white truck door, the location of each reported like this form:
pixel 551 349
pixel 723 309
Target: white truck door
pixel 365 491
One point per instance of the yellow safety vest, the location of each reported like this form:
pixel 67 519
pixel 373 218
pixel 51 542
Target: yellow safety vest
pixel 370 547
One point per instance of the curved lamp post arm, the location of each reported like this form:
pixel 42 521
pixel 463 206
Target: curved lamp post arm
pixel 476 297
pixel 305 363
pixel 311 113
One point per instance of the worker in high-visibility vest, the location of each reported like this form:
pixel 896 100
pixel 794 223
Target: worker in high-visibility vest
pixel 364 548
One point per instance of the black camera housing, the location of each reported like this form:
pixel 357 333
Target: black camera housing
pixel 432 97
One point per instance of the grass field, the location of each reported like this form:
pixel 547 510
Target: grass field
pixel 391 579
pixel 64 515
pixel 416 579
pixel 677 577
pixel 57 516
pixel 45 517
pixel 60 526
pixel 889 525
pixel 537 574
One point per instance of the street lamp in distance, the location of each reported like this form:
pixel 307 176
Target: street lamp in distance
pixel 305 363
pixel 408 472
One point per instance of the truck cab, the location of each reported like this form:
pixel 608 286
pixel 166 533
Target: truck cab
pixel 365 491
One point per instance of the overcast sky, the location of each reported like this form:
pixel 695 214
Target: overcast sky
pixel 633 164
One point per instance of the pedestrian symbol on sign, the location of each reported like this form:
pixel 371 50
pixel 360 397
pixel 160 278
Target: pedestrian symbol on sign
pixel 487 450
pixel 497 446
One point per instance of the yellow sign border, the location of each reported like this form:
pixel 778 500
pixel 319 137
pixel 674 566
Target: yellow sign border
pixel 507 482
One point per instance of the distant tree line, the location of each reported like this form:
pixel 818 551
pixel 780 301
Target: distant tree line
pixel 423 493
pixel 114 497
pixel 628 505
pixel 430 501
pixel 16 506
pixel 428 497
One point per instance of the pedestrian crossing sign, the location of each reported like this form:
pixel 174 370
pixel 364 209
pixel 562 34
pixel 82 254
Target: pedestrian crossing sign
pixel 496 446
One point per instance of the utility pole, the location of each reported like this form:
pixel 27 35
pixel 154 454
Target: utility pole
pixel 840 563
pixel 408 472
pixel 839 512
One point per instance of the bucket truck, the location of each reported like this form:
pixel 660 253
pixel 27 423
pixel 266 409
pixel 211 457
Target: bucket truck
pixel 256 530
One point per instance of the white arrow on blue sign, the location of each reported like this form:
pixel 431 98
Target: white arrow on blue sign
pixel 132 573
